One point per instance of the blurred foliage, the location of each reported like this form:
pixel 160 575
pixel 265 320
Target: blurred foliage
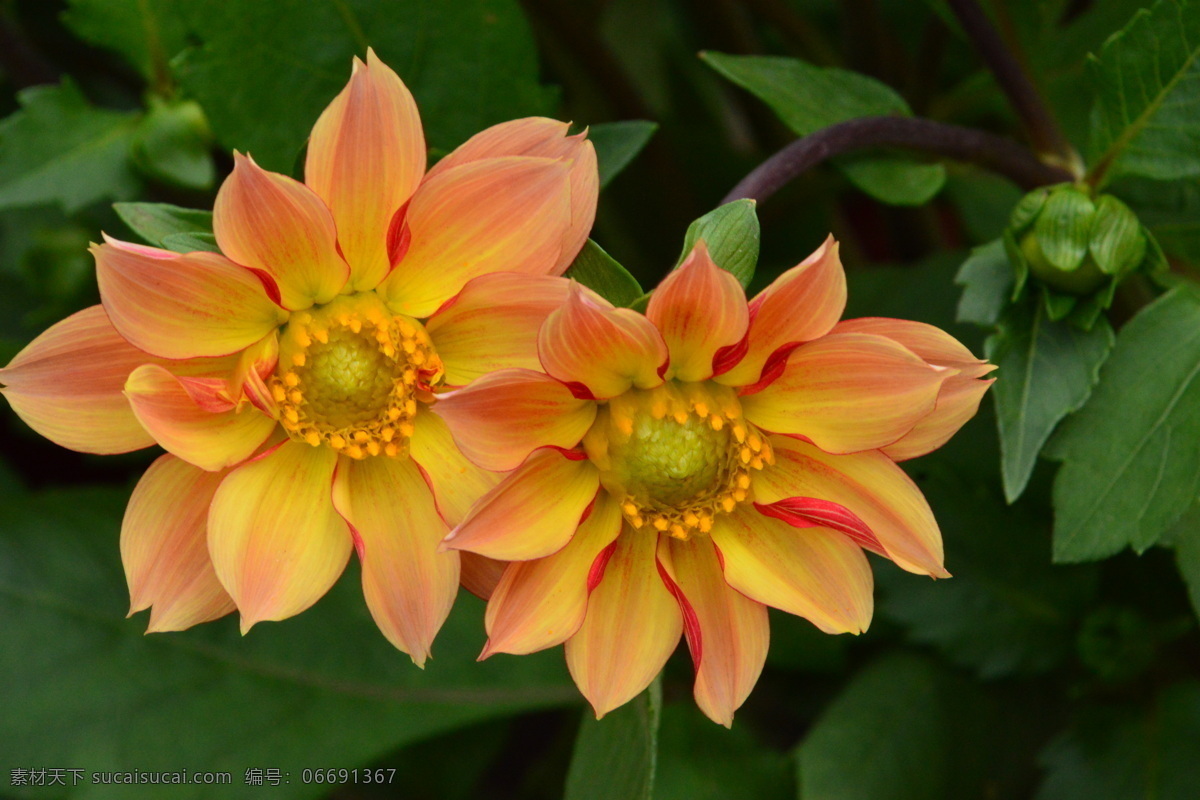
pixel 1022 677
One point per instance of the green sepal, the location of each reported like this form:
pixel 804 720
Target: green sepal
pixel 1058 306
pixel 604 275
pixel 732 234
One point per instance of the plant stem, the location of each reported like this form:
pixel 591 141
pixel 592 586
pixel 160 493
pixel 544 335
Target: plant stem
pixel 1040 125
pixel 987 150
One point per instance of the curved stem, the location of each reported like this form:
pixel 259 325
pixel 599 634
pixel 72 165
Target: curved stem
pixel 987 150
pixel 1039 122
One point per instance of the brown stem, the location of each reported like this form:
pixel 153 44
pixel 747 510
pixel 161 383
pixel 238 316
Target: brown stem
pixel 1039 123
pixel 987 150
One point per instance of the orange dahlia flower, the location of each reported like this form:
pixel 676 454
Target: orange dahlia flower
pixel 683 470
pixel 290 377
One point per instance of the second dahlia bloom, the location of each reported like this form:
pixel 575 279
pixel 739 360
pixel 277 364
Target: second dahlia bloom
pixel 291 377
pixel 679 472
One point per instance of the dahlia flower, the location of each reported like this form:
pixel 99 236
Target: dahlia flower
pixel 290 377
pixel 683 470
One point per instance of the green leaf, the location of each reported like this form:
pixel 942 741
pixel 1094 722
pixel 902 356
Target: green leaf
pixel 1130 454
pixel 732 234
pixel 699 760
pixel 618 143
pixel 60 149
pixel 1123 753
pixel 469 64
pixel 1007 611
pixel 172 145
pixel 1147 80
pixel 902 730
pixel 1047 371
pixel 987 281
pixel 601 273
pixel 154 221
pixel 322 689
pixel 1171 210
pixel 808 98
pixel 190 242
pixel 1186 542
pixel 148 33
pixel 616 756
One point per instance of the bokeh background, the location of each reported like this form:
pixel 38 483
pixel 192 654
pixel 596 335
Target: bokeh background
pixel 1015 679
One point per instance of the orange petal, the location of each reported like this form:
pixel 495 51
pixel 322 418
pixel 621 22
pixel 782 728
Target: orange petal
pixel 532 513
pixel 632 626
pixel 727 632
pixel 960 395
pixel 408 584
pixel 543 138
pixel 495 215
pixel 541 603
pixel 848 392
pixel 164 547
pixel 815 573
pixel 272 223
pixel 67 383
pixel 480 575
pixel 493 324
pixel 501 418
pixel 171 409
pixel 275 539
pixel 699 309
pixel 800 305
pixel 182 306
pixel 456 482
pixel 602 349
pixel 868 484
pixel 365 159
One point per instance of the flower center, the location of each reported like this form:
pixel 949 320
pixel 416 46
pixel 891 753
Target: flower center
pixel 351 374
pixel 676 455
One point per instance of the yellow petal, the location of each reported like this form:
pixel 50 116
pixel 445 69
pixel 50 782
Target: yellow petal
pixel 493 324
pixel 600 349
pixel 164 547
pixel 171 409
pixel 269 222
pixel 541 603
pixel 365 159
pixel 456 482
pixel 532 513
pixel 501 418
pixel 726 631
pixel 276 541
pixel 699 309
pixel 182 306
pixel 800 305
pixel 543 138
pixel 67 385
pixel 495 215
pixel 960 395
pixel 868 484
pixel 815 573
pixel 409 586
pixel 848 392
pixel 632 626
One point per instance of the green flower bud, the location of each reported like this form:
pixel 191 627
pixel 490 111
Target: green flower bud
pixel 1074 243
